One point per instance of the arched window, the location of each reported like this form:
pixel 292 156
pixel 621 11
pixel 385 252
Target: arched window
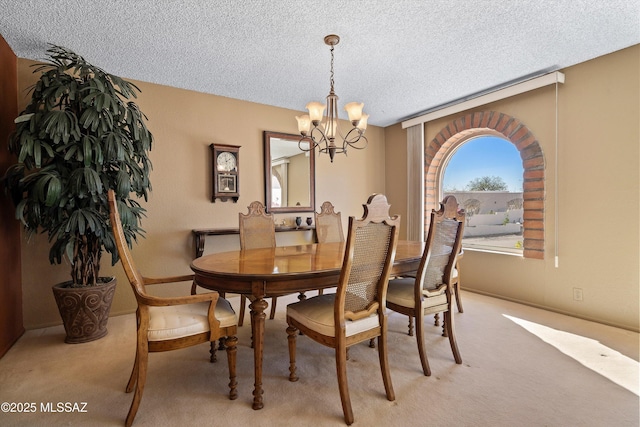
pixel 494 123
pixel 485 175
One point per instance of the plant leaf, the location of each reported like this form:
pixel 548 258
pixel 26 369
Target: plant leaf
pixel 23 118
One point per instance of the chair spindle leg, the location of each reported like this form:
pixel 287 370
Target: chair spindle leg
pixel 291 339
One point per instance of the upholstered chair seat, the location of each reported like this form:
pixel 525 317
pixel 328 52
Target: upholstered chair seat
pixel 454 275
pixel 455 283
pixel 318 314
pixel 403 293
pixel 178 321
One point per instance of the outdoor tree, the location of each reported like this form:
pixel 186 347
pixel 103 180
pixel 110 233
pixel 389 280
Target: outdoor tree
pixel 487 183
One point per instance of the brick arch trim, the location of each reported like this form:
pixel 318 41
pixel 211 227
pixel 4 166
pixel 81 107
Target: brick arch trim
pixel 494 123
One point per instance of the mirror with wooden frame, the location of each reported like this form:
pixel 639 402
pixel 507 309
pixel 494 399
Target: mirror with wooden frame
pixel 289 174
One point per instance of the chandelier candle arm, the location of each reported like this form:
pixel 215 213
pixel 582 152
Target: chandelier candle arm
pixel 323 134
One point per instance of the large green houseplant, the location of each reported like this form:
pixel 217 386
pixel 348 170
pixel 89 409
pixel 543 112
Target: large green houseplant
pixel 78 137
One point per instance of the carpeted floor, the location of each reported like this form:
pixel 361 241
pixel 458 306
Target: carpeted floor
pixel 521 367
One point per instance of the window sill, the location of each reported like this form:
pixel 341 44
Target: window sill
pixel 493 250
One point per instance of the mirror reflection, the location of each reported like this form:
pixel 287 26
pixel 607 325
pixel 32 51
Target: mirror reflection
pixel 289 174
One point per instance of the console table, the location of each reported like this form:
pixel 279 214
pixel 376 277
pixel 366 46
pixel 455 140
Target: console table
pixel 200 234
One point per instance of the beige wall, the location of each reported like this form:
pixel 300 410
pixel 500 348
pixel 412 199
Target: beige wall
pixel 597 189
pixel 184 123
pixel 598 163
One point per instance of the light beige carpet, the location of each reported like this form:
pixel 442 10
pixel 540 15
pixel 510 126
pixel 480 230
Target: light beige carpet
pixel 509 376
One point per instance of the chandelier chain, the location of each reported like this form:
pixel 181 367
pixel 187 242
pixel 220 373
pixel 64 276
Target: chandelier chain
pixel 331 78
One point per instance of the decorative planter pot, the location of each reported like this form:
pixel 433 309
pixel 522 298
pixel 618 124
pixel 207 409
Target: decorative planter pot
pixel 85 311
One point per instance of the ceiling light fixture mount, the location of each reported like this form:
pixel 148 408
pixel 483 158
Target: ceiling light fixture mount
pixel 323 134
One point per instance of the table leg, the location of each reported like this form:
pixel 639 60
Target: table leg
pixel 257 328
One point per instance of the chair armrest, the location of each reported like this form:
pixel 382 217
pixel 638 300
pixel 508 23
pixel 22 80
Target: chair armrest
pixel 174 279
pixel 186 299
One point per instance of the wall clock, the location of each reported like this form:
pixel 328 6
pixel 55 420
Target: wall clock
pixel 226 168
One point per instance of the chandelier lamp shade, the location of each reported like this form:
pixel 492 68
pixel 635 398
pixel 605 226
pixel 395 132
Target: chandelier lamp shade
pixel 325 134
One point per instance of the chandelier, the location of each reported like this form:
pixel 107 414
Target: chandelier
pixel 323 134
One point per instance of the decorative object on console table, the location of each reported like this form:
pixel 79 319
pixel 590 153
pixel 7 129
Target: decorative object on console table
pixel 226 171
pixel 309 220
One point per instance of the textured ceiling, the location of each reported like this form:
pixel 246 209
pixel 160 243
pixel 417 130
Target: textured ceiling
pixel 399 57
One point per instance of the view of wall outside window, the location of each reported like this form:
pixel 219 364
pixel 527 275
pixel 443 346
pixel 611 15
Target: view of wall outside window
pixel 485 176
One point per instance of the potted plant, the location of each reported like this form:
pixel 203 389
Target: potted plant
pixel 78 137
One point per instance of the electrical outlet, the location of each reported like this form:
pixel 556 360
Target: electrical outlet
pixel 577 294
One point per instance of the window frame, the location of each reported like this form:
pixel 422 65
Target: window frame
pixel 507 127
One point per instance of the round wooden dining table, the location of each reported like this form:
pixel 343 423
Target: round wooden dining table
pixel 283 270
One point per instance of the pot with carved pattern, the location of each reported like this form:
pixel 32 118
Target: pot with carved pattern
pixel 85 311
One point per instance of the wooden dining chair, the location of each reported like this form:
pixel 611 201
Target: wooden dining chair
pixel 328 224
pixel 257 231
pixel 431 291
pixel 455 275
pixel 356 312
pixel 170 323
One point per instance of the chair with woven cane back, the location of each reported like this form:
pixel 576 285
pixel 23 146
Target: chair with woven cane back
pixel 455 275
pixel 431 291
pixel 328 226
pixel 257 231
pixel 356 312
pixel 171 323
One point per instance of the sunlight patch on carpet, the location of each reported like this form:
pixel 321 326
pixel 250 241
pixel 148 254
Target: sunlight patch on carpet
pixel 607 362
